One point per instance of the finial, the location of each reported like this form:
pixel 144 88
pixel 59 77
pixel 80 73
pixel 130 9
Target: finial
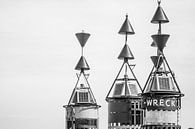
pixel 82 38
pixel 160 40
pixel 159 1
pixel 159 16
pixel 126 53
pixel 126 28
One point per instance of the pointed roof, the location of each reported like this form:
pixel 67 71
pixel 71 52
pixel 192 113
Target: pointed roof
pixel 82 93
pixel 126 53
pixel 82 64
pixel 126 28
pixel 125 84
pixel 159 16
pixel 161 79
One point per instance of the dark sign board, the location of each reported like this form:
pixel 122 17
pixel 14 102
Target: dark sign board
pixel 161 103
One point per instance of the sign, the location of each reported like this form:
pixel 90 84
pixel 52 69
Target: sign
pixel 161 103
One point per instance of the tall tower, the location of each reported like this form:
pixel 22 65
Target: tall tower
pixel 82 109
pixel 124 101
pixel 161 94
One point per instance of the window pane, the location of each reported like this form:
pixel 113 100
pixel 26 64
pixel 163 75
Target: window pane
pixel 164 83
pixel 118 89
pixel 132 105
pixel 133 89
pixel 83 97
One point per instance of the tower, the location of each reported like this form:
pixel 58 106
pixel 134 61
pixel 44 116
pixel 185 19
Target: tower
pixel 82 109
pixel 124 101
pixel 161 93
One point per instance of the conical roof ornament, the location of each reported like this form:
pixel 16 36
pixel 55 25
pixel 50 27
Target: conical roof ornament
pixel 82 64
pixel 126 28
pixel 159 16
pixel 82 38
pixel 126 53
pixel 157 61
pixel 160 40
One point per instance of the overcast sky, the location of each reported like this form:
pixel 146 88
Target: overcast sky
pixel 39 50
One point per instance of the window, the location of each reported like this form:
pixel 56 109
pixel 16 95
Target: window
pixel 136 113
pixel 133 89
pixel 90 122
pixel 132 105
pixel 164 84
pixel 75 98
pixel 83 97
pixel 154 84
pixel 118 89
pixel 133 117
pixel 137 105
pixel 138 117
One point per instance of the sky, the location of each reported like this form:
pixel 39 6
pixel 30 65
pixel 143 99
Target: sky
pixel 39 51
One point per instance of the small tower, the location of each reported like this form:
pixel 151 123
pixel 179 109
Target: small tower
pixel 82 109
pixel 124 101
pixel 161 94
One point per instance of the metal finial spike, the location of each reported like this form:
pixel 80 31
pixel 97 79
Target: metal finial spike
pixel 126 15
pixel 82 38
pixel 82 64
pixel 160 40
pixel 159 1
pixel 159 16
pixel 126 28
pixel 126 53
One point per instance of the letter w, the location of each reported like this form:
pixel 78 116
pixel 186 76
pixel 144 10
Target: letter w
pixel 149 102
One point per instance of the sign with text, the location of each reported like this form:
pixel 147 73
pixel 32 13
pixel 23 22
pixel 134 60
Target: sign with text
pixel 161 103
